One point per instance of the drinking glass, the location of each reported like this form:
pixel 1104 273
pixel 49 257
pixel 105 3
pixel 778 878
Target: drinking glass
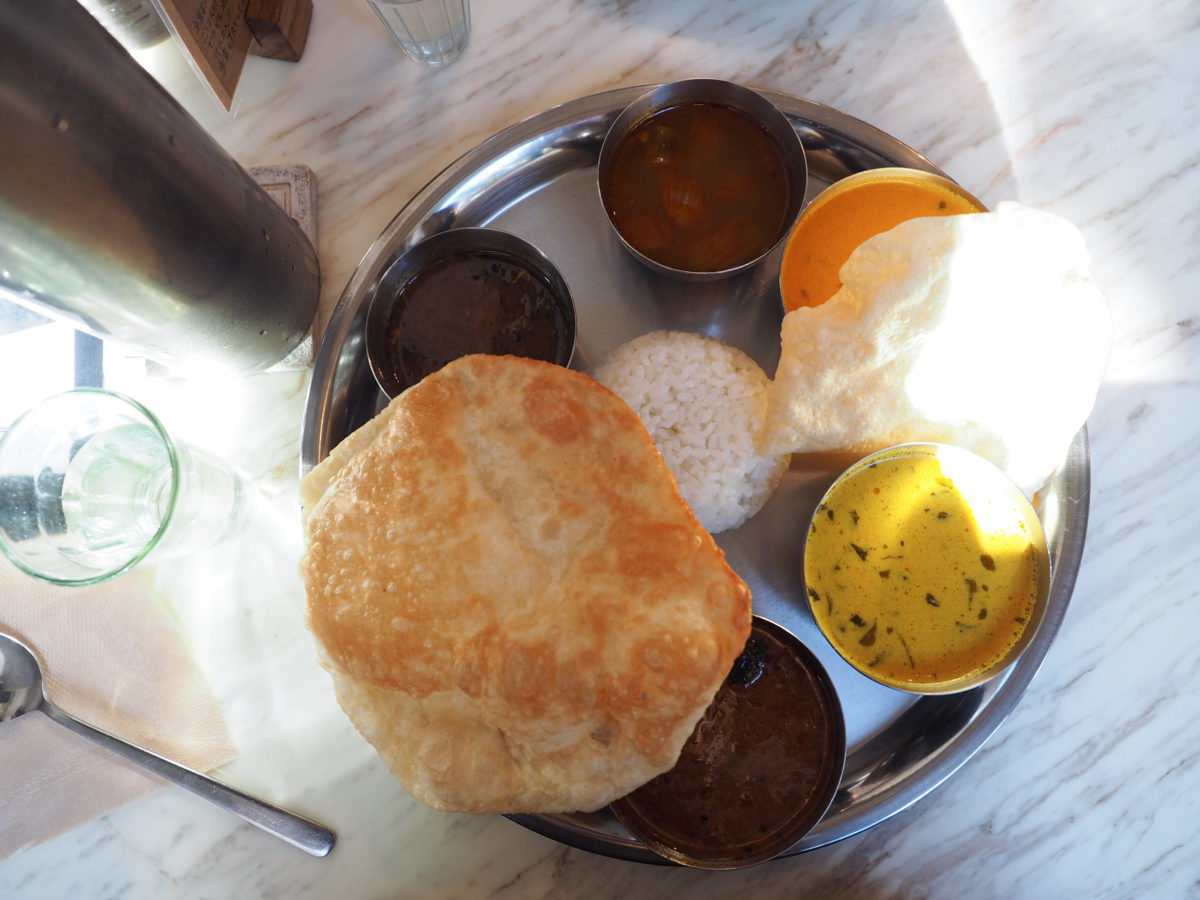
pixel 92 483
pixel 433 32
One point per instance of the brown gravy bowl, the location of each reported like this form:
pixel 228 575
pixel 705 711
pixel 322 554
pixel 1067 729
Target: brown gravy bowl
pixel 701 179
pixel 464 291
pixel 760 769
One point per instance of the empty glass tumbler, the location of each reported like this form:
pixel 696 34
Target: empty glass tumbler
pixel 91 484
pixel 433 32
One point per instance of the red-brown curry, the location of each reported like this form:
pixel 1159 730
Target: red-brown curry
pixel 699 187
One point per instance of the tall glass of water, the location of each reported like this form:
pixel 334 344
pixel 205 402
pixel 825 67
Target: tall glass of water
pixel 433 32
pixel 92 483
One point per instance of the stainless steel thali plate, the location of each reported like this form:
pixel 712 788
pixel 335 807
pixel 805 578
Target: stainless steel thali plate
pixel 537 179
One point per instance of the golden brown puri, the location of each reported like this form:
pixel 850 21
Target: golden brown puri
pixel 519 611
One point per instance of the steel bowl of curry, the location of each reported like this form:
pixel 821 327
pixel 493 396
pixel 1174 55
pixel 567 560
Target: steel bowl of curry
pixel 701 178
pixel 926 568
pixel 760 769
pixel 850 211
pixel 464 291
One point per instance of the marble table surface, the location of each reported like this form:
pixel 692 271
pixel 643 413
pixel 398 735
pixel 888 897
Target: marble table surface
pixel 1085 107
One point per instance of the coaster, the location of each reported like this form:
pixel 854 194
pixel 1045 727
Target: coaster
pixel 295 189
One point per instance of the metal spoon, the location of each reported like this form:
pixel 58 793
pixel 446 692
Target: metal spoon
pixel 22 691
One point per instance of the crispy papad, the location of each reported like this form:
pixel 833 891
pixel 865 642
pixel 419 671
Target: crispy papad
pixel 984 330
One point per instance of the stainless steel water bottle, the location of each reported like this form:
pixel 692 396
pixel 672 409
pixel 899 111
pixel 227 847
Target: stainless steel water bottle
pixel 122 215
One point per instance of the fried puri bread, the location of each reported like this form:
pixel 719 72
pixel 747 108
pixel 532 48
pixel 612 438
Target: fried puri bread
pixel 518 610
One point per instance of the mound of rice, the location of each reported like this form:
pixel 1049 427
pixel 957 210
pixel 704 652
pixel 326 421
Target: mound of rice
pixel 703 403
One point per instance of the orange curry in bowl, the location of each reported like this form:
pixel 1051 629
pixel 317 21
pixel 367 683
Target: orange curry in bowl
pixel 849 212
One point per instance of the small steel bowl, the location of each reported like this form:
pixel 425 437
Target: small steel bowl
pixel 718 93
pixel 390 294
pixel 814 755
pixel 991 495
pixel 808 250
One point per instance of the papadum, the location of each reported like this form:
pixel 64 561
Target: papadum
pixel 984 330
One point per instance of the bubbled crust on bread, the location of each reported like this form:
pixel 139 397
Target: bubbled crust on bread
pixel 520 612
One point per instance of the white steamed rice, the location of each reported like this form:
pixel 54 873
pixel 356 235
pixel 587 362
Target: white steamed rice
pixel 703 403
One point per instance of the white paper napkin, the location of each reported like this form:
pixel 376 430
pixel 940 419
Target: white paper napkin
pixel 112 657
